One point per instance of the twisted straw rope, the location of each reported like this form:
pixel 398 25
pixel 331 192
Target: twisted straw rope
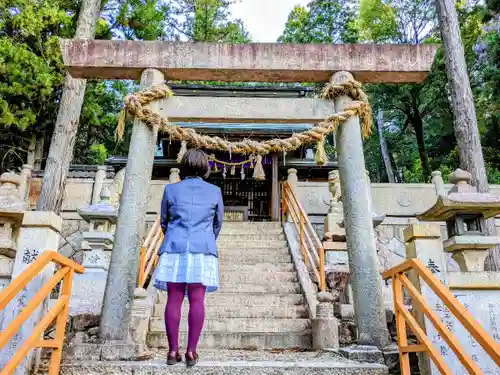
pixel 136 105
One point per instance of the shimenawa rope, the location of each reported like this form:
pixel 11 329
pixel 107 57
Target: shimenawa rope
pixel 136 105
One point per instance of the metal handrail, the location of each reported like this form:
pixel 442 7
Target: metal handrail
pixel 404 318
pixel 311 247
pixel 150 252
pixel 59 312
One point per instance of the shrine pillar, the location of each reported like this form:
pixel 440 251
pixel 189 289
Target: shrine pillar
pixel 363 262
pixel 123 268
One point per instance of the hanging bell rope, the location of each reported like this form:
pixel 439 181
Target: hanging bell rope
pixel 136 105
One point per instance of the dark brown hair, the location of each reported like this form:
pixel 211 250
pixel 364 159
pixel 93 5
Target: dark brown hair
pixel 194 163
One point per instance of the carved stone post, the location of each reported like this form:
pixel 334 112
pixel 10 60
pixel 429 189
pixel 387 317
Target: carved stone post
pixel 437 181
pixel 363 260
pixel 123 269
pixel 25 181
pixel 39 232
pixel 292 178
pixel 12 209
pixel 174 176
pixel 99 178
pixel 324 326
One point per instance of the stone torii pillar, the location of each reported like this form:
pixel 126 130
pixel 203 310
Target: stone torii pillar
pixel 363 262
pixel 123 268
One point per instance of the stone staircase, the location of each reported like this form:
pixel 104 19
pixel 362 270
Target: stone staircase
pixel 259 304
pixel 256 324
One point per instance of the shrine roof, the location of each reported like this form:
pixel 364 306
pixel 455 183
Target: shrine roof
pixel 256 62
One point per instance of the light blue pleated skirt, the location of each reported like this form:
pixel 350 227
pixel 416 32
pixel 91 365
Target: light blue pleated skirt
pixel 188 268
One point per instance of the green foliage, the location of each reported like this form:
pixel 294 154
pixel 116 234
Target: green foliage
pixel 97 154
pixel 323 21
pixel 205 21
pixel 32 74
pixel 377 21
pixel 418 122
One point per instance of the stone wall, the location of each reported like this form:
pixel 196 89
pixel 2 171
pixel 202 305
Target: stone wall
pixel 78 194
pixel 400 202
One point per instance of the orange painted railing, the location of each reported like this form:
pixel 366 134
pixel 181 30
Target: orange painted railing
pixel 404 319
pixel 58 313
pixel 311 246
pixel 149 252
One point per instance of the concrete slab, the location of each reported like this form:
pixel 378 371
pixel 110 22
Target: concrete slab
pixel 258 62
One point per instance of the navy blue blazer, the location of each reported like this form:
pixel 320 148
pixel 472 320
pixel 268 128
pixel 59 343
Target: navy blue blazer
pixel 191 217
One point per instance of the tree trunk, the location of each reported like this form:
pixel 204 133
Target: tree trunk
pixel 383 147
pixel 418 126
pixel 63 139
pixel 464 111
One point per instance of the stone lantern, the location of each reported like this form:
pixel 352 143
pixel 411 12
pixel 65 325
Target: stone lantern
pixel 102 219
pixel 12 209
pixel 88 291
pixel 465 210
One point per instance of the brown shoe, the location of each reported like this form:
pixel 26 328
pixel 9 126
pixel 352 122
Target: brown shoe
pixel 191 359
pixel 173 359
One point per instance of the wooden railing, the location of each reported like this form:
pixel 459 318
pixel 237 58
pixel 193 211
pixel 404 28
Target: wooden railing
pixel 311 246
pixel 58 313
pixel 404 318
pixel 149 252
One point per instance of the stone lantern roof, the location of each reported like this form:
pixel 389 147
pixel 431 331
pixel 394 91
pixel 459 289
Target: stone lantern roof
pixel 103 210
pixel 462 199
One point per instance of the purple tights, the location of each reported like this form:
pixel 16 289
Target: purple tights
pixel 196 318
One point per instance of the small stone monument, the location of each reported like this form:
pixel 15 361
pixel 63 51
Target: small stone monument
pixel 12 209
pixel 335 213
pixel 88 289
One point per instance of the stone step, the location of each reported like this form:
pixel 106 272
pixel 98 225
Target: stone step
pixel 243 311
pixel 236 325
pixel 251 236
pixel 254 256
pixel 245 250
pixel 258 277
pixel 284 288
pixel 257 231
pixel 247 268
pixel 240 340
pixel 235 243
pixel 237 299
pixel 262 225
pixel 233 362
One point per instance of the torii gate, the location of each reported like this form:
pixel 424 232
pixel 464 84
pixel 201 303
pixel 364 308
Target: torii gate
pixel 153 62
